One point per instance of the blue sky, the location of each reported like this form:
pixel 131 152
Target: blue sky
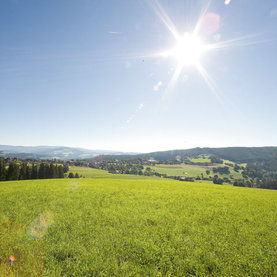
pixel 84 73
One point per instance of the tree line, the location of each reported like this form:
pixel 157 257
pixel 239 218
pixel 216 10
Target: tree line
pixel 23 171
pixel 259 175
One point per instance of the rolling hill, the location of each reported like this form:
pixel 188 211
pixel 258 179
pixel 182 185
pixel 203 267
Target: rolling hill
pixel 51 152
pixel 235 154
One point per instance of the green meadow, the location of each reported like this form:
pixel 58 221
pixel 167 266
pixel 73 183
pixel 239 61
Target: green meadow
pixel 123 227
pixel 190 170
pixel 98 173
pixel 200 160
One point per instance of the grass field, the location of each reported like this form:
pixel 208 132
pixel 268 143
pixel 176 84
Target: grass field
pixel 98 173
pixel 108 227
pixel 200 160
pixel 189 170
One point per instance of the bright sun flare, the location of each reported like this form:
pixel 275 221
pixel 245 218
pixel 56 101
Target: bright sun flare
pixel 188 50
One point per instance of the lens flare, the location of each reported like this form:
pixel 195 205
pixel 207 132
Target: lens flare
pixel 191 47
pixel 227 2
pixel 38 228
pixel 11 259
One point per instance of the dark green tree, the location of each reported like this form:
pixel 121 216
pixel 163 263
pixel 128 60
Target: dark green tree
pixel 215 160
pixel 56 171
pixel 70 175
pixel 2 170
pixel 27 173
pixel 47 171
pixel 217 180
pixel 60 172
pixel 22 173
pixel 34 171
pixel 51 173
pixel 13 171
pixel 65 168
pixel 41 171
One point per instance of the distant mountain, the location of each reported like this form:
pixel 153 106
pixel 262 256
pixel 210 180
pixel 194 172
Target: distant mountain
pixel 51 152
pixel 235 154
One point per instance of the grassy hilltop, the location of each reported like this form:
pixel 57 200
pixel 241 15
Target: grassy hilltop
pixel 121 227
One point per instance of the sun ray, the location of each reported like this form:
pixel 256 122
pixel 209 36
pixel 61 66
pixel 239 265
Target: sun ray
pixel 189 47
pixel 208 80
pixel 227 106
pixel 237 42
pixel 162 14
pixel 199 21
pixel 175 76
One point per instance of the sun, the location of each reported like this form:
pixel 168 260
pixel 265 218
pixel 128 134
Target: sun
pixel 188 50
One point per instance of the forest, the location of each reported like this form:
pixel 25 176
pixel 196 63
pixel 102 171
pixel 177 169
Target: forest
pixel 24 171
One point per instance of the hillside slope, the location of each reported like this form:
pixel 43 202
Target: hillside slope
pixel 106 227
pixel 51 152
pixel 235 154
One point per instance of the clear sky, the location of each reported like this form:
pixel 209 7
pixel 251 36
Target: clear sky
pixel 89 73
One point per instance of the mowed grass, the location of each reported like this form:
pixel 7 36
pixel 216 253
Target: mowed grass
pixel 108 227
pixel 98 173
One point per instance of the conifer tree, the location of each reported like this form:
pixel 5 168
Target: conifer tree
pixel 41 171
pixel 22 172
pixel 60 172
pixel 51 173
pixel 13 171
pixel 47 171
pixel 34 171
pixel 27 175
pixel 2 170
pixel 56 171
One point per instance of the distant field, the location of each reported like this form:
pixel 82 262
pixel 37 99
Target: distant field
pixel 108 227
pixel 200 160
pixel 98 173
pixel 189 170
pixel 178 170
